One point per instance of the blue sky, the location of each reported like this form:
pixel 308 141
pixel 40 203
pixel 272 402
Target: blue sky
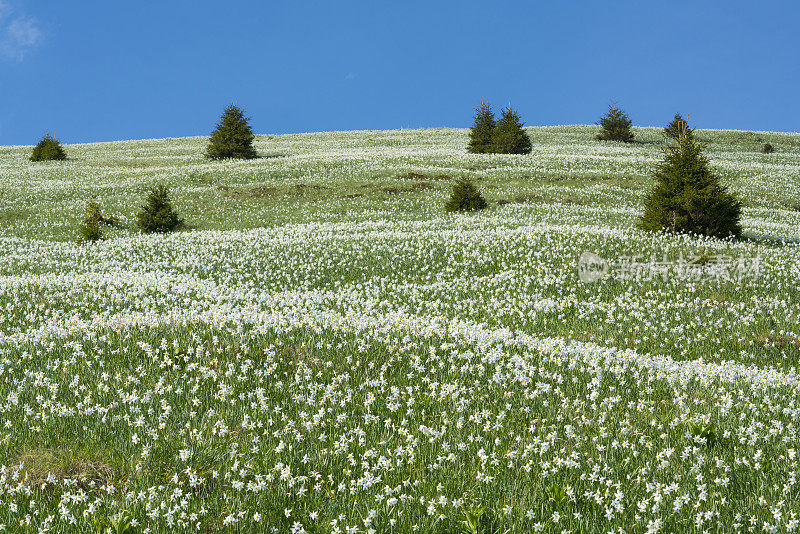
pixel 108 70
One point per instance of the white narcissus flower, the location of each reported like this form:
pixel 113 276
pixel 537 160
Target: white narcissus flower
pixel 371 354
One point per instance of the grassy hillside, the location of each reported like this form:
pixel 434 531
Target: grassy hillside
pixel 325 350
pixel 345 175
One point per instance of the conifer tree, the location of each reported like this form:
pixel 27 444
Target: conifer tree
pixel 615 126
pixel 508 136
pixel 158 215
pixel 90 229
pixel 465 197
pixel 688 196
pixel 233 137
pixel 480 136
pixel 48 149
pixel 678 124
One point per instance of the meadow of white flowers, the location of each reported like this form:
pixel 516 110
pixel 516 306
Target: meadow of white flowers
pixel 326 351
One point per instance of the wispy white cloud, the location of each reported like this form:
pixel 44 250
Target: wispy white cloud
pixel 19 35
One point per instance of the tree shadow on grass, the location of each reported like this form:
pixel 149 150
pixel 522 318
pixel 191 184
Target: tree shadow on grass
pixel 765 239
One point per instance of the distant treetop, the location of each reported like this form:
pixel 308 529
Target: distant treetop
pixel 688 196
pixel 615 126
pixel 48 149
pixel 505 136
pixel 678 125
pixel 233 137
pixel 480 136
pixel 509 137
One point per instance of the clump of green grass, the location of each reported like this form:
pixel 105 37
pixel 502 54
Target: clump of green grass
pixel 472 520
pixel 119 523
pixel 704 433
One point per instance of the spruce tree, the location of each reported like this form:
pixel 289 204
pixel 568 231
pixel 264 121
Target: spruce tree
pixel 688 196
pixel 508 136
pixel 233 137
pixel 465 197
pixel 674 128
pixel 90 229
pixel 615 126
pixel 480 136
pixel 48 149
pixel 158 215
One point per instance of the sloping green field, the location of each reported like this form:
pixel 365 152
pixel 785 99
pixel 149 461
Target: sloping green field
pixel 324 350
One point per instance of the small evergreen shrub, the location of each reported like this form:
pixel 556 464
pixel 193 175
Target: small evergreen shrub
pixel 233 137
pixel 678 124
pixel 767 148
pixel 90 229
pixel 688 196
pixel 465 197
pixel 508 136
pixel 480 135
pixel 158 215
pixel 615 126
pixel 48 149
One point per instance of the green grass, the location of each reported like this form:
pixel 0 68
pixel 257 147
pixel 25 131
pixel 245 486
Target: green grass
pixel 326 348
